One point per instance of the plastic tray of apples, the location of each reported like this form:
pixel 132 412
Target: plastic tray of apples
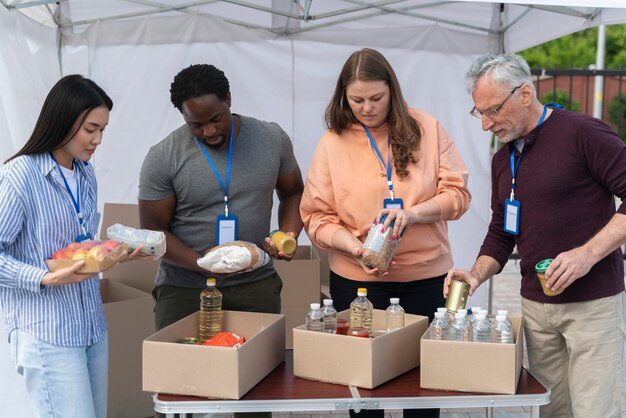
pixel 98 255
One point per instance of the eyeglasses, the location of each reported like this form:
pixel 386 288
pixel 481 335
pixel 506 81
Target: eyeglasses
pixel 490 113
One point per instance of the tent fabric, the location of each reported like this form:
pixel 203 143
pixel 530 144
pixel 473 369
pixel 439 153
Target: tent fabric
pixel 280 70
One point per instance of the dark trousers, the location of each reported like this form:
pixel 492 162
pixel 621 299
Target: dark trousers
pixel 420 297
pixel 174 303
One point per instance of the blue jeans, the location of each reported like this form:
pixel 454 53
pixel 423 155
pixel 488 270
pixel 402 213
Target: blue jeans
pixel 62 382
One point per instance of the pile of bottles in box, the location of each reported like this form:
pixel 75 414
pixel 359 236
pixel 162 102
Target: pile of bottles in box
pixel 324 318
pixel 456 324
pixel 471 325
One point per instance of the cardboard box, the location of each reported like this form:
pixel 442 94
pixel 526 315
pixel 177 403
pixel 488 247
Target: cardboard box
pixel 137 274
pixel 301 287
pixel 130 316
pixel 362 362
pixel 218 372
pixel 472 366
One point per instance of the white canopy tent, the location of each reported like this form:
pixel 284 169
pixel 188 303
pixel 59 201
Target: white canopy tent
pixel 282 58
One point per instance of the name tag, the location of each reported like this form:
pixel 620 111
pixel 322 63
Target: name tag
pixel 393 203
pixel 226 229
pixel 511 216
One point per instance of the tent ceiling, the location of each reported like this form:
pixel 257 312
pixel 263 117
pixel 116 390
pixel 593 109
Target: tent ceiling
pixel 289 17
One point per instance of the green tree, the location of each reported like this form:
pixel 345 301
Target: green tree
pixel 578 50
pixel 561 97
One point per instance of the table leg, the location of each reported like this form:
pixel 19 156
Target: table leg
pixel 489 412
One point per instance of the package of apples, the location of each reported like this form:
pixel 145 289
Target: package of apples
pixel 98 255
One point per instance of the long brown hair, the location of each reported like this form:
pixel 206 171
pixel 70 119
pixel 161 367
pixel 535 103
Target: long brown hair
pixel 404 131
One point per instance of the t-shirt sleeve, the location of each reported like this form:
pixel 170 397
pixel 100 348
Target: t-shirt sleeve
pixel 155 181
pixel 288 161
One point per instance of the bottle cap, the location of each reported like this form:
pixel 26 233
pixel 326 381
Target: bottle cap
pixel 480 316
pixel 502 312
pixel 210 281
pixel 444 310
pixel 315 306
pixel 439 314
pixel 460 314
pixel 328 302
pixel 475 309
pixel 361 291
pixel 500 317
pixel 394 300
pixel 543 265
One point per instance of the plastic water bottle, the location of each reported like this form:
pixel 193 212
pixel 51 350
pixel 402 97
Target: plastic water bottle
pixel 502 332
pixel 361 311
pixel 481 329
pixel 315 318
pixel 459 330
pixel 330 316
pixel 471 314
pixel 210 322
pixel 438 327
pixel 506 314
pixel 395 315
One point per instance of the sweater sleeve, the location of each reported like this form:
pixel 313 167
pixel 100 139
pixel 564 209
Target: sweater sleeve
pixel 317 206
pixel 452 196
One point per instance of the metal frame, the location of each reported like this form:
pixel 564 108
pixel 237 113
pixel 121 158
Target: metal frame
pixel 302 12
pixel 356 403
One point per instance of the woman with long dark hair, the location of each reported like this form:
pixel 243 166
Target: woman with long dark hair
pixel 55 320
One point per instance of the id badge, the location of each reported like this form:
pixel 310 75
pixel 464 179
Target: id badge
pixel 84 237
pixel 511 216
pixel 393 203
pixel 226 229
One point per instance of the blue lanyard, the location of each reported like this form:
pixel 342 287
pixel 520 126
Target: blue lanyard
pixel 380 157
pixel 514 166
pixel 75 201
pixel 223 186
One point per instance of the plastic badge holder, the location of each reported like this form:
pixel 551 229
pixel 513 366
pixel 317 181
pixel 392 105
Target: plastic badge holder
pixel 151 242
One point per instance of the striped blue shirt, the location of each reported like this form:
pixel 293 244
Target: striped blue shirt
pixel 37 217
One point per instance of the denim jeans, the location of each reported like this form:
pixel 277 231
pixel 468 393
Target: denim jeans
pixel 62 382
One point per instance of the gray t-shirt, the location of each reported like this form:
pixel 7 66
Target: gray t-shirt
pixel 176 166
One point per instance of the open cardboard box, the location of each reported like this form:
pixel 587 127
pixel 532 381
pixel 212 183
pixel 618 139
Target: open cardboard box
pixel 217 372
pixel 301 287
pixel 473 366
pixel 129 313
pixel 362 362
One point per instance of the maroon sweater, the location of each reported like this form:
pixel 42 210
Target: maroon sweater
pixel 570 168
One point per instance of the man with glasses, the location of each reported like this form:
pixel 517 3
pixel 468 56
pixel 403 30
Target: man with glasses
pixel 553 183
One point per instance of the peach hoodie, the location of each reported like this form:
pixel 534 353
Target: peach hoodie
pixel 347 183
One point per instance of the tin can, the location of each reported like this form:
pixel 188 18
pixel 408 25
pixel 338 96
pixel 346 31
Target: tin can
pixel 541 268
pixel 457 295
pixel 283 242
pixel 188 340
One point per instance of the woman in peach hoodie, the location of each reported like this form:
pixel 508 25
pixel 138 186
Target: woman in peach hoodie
pixel 376 153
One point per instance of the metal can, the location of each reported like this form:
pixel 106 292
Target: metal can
pixel 188 340
pixel 457 295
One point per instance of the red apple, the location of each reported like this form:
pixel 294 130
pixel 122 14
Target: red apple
pixel 73 247
pixel 111 244
pixel 87 245
pixel 79 254
pixel 97 252
pixel 59 254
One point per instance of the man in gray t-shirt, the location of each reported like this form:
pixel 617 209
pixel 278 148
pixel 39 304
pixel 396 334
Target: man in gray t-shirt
pixel 183 186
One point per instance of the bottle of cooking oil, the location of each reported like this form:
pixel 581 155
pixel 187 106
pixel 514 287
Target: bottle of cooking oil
pixel 361 311
pixel 210 322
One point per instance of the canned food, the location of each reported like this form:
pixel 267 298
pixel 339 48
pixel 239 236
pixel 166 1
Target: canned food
pixel 188 340
pixel 457 295
pixel 283 242
pixel 541 268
